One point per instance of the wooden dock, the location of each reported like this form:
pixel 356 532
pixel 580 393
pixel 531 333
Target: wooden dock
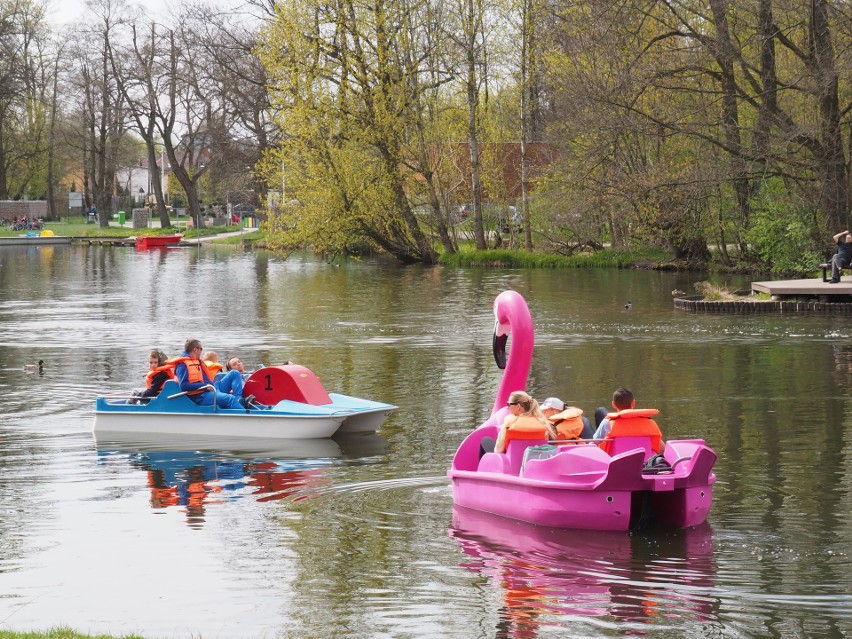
pixel 105 241
pixel 811 287
pixel 810 296
pixel 34 240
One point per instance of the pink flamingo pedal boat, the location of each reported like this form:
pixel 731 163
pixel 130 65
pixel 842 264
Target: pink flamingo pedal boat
pixel 575 485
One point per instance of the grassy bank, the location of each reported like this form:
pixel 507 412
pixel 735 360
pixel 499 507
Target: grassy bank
pixel 77 227
pixel 59 633
pixel 504 258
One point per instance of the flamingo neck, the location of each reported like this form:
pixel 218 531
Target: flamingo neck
pixel 513 317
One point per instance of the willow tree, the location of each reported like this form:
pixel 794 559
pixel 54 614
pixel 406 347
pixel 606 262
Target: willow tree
pixel 342 77
pixel 26 77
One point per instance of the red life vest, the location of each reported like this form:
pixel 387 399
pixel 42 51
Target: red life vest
pixel 525 427
pixel 634 422
pixel 167 368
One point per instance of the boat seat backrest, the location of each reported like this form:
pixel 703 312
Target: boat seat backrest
pixel 170 388
pixel 515 452
pixel 625 443
pixel 510 462
pixel 468 455
pixel 493 463
pixel 570 461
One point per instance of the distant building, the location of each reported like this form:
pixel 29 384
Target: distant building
pixel 137 182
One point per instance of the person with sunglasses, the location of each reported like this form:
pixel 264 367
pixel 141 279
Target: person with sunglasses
pixel 524 421
pixel 193 377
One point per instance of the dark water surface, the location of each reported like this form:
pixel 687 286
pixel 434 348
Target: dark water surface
pixel 358 537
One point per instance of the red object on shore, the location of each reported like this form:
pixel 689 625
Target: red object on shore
pixel 154 241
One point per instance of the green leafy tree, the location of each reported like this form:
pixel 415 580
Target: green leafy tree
pixel 342 80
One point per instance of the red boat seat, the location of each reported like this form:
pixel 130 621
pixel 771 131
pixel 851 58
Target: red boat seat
pixel 623 444
pixel 272 384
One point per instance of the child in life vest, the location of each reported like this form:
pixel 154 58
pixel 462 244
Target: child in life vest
pixel 630 422
pixel 211 360
pixel 158 374
pixel 622 399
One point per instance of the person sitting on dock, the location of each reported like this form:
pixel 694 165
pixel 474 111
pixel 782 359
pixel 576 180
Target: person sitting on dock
pixel 843 257
pixel 569 422
pixel 194 380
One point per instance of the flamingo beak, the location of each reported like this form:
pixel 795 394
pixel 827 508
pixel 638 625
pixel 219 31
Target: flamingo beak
pixel 498 345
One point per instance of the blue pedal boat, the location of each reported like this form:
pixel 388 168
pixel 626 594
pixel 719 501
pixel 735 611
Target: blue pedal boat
pixel 296 406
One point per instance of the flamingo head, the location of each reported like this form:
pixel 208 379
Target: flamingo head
pixel 512 317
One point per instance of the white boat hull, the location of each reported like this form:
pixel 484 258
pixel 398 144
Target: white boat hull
pixel 365 416
pixel 220 424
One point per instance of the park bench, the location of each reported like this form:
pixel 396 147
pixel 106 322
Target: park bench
pixel 826 266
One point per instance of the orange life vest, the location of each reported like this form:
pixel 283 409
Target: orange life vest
pixel 213 367
pixel 568 423
pixel 634 422
pixel 165 368
pixel 525 427
pixel 196 371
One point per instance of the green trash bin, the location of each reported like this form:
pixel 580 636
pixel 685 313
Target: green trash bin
pixel 121 215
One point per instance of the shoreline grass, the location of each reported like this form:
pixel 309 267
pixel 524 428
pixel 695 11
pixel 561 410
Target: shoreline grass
pixel 77 227
pixel 60 633
pixel 518 258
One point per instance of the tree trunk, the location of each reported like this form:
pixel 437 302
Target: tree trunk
pixel 472 20
pixel 831 160
pixel 51 145
pixel 4 187
pixel 723 51
pixel 157 183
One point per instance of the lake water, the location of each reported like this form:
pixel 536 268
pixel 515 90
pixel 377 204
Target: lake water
pixel 358 537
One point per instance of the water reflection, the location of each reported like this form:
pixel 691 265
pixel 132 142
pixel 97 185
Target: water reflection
pixel 194 473
pixel 842 365
pixel 358 544
pixel 544 573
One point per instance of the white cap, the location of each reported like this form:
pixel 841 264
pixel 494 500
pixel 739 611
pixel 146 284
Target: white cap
pixel 553 402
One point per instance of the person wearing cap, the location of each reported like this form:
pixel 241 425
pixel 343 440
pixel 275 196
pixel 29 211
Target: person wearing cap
pixel 568 422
